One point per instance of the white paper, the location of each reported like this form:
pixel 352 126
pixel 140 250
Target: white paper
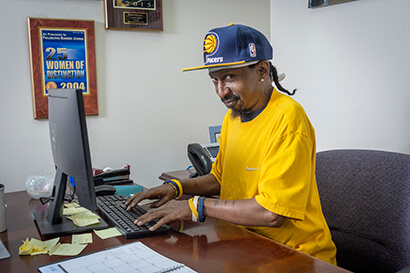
pixel 132 257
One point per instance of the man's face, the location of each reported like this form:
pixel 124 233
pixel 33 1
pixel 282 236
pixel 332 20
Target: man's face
pixel 239 89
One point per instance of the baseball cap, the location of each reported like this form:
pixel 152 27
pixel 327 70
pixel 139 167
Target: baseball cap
pixel 234 46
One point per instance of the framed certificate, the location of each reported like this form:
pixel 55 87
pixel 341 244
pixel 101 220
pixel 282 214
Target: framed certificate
pixel 323 3
pixel 133 14
pixel 62 55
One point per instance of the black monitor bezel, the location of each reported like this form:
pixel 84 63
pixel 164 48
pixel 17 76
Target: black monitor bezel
pixel 67 126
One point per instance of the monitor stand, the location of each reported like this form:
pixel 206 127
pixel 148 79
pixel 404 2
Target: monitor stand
pixel 66 227
pixel 51 223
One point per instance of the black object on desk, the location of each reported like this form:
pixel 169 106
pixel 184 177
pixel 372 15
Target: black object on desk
pixel 104 190
pixel 112 207
pixel 114 177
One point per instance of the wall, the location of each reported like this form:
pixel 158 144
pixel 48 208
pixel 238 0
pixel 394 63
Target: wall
pixel 148 109
pixel 351 64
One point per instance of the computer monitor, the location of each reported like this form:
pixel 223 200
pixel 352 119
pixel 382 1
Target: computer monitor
pixel 71 154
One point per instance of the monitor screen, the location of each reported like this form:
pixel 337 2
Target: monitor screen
pixel 71 155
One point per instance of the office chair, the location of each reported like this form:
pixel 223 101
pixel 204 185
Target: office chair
pixel 365 198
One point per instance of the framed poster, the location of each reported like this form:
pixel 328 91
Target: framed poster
pixel 62 55
pixel 324 3
pixel 133 14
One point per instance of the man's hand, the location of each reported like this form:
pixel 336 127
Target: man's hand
pixel 164 193
pixel 173 210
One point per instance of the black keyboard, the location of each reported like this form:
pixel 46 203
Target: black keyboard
pixel 113 207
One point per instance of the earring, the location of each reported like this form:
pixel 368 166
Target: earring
pixel 262 80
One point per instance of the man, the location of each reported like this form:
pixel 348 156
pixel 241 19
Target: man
pixel 265 168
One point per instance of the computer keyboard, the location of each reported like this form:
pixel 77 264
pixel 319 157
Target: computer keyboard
pixel 114 209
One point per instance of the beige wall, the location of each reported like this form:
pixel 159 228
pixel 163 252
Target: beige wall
pixel 149 110
pixel 351 62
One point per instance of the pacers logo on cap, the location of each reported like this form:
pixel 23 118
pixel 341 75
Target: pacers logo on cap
pixel 210 43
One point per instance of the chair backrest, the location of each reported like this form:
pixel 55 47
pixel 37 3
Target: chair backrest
pixel 365 197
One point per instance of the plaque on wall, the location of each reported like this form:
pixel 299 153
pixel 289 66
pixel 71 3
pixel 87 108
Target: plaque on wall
pixel 133 14
pixel 325 3
pixel 62 55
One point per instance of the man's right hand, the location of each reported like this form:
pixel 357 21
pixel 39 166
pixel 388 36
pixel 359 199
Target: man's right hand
pixel 164 193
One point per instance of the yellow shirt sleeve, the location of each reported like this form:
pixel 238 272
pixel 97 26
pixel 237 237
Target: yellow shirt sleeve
pixel 285 177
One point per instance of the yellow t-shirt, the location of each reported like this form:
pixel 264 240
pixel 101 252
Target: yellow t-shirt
pixel 272 159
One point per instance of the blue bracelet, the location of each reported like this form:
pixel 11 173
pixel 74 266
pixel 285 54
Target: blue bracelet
pixel 201 215
pixel 176 187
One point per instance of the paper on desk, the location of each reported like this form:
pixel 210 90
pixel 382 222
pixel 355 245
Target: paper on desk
pixel 74 210
pixel 52 247
pixel 42 247
pixel 84 238
pixel 85 218
pixel 36 247
pixel 70 211
pixel 67 249
pixel 46 245
pixel 72 205
pixel 80 216
pixel 26 248
pixel 107 233
pixel 132 257
pixel 38 251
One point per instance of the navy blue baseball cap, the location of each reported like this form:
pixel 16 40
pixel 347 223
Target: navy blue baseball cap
pixel 234 46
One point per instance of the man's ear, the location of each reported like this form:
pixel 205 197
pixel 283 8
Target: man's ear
pixel 263 69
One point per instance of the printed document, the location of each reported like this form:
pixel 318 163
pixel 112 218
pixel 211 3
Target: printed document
pixel 132 257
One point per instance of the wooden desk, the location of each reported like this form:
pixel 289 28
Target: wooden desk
pixel 180 174
pixel 213 246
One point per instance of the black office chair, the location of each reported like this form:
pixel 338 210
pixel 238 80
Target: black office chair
pixel 365 198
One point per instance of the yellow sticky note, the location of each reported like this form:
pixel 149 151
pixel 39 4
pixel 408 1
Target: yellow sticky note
pixel 80 216
pixel 85 238
pixel 67 249
pixel 70 211
pixel 76 210
pixel 54 249
pixel 26 248
pixel 37 247
pixel 83 219
pixel 107 233
pixel 38 251
pixel 72 205
pixel 46 245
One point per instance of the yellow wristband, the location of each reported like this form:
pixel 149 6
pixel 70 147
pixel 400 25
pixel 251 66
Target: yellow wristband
pixel 193 210
pixel 176 190
pixel 177 186
pixel 180 189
